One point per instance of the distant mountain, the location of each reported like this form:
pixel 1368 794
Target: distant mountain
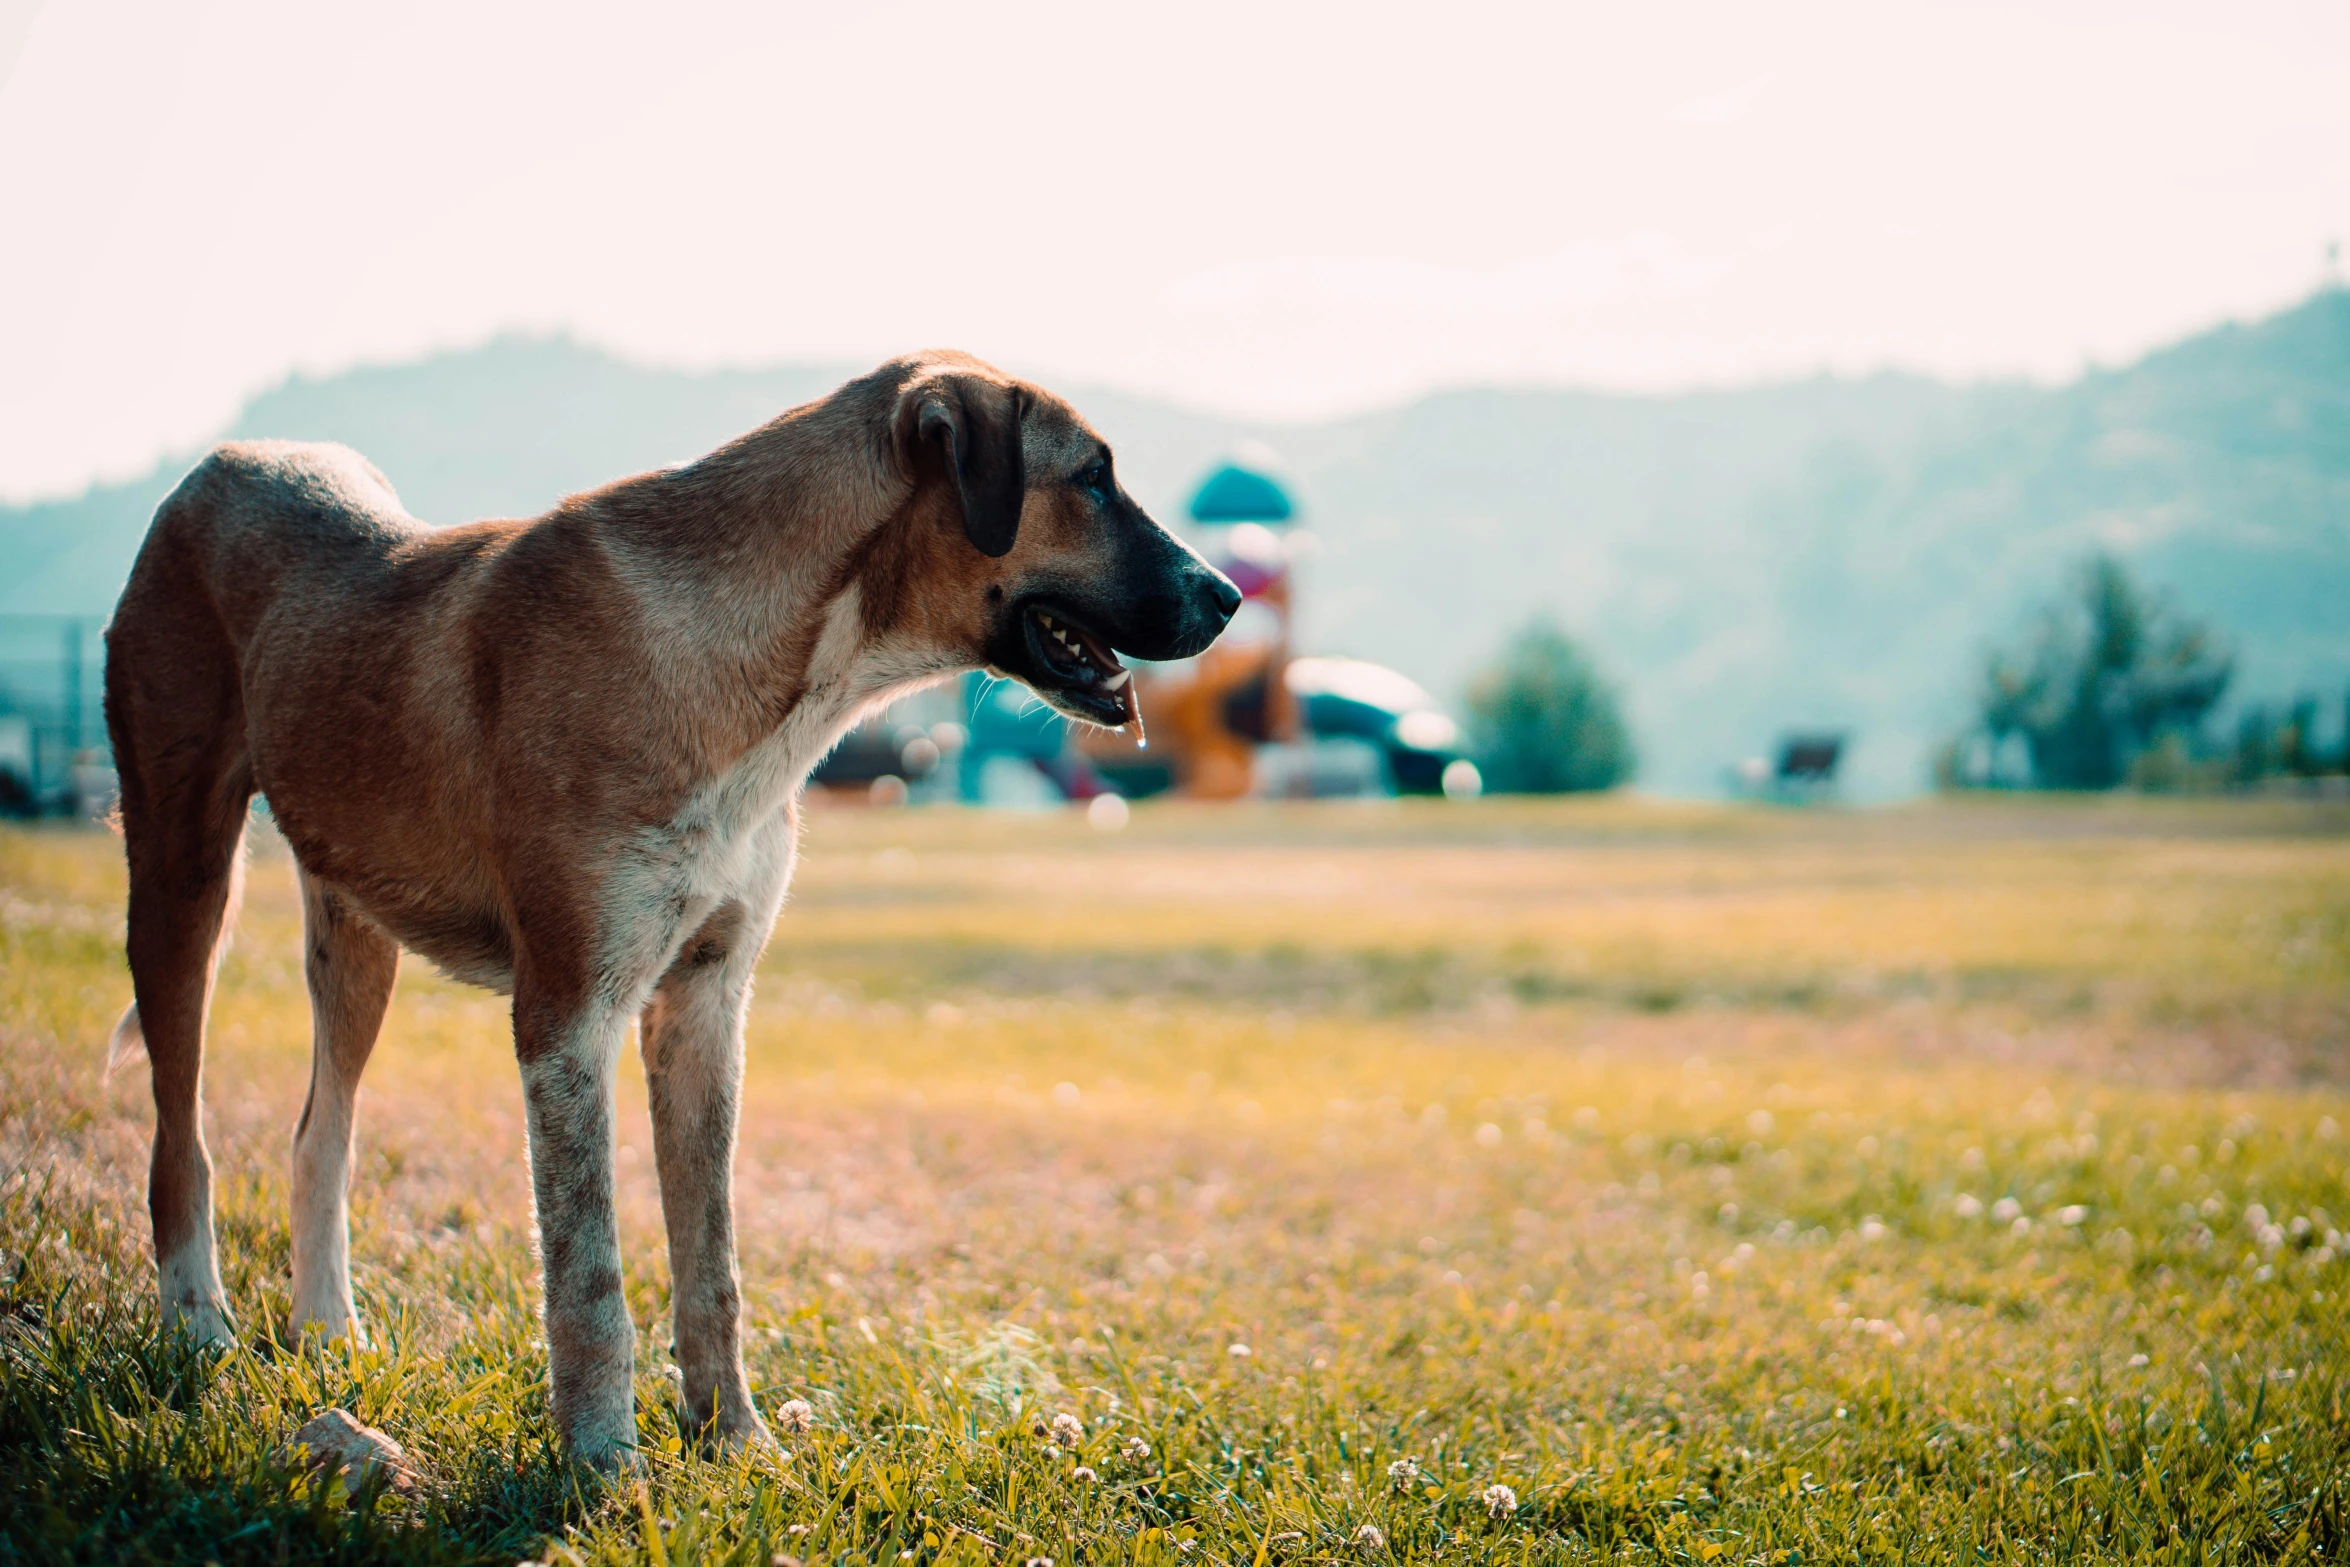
pixel 1821 553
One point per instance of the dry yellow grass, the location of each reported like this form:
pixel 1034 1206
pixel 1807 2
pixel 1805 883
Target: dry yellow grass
pixel 1642 1159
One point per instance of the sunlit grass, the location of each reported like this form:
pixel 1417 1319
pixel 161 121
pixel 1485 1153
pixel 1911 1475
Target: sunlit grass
pixel 1940 1185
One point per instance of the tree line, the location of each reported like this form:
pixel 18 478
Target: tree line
pixel 2113 686
pixel 2109 686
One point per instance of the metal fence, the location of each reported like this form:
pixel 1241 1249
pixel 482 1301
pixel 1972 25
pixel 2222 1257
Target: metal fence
pixel 54 758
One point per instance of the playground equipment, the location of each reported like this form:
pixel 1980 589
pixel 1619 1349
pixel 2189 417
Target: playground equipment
pixel 1208 717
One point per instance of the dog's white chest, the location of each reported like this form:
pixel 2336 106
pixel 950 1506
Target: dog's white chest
pixel 732 838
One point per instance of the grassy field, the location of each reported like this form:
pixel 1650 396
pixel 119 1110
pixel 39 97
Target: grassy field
pixel 1508 1182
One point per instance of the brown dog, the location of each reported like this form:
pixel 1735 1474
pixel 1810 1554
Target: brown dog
pixel 561 758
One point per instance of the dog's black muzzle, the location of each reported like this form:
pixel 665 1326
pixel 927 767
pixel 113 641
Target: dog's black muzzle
pixel 1176 603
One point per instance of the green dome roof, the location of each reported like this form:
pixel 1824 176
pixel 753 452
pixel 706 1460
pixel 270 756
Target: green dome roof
pixel 1236 494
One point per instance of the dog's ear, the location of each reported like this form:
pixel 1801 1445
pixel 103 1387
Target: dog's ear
pixel 966 429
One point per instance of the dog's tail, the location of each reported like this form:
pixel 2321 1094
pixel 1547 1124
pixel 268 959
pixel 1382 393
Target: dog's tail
pixel 127 1040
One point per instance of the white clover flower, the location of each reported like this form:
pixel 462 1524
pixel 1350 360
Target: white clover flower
pixel 2006 1210
pixel 1402 1473
pixel 1968 1206
pixel 1370 1538
pixel 795 1414
pixel 1500 1501
pixel 1137 1449
pixel 1239 1351
pixel 1083 1475
pixel 1067 1430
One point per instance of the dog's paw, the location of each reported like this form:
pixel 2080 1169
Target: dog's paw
pixel 610 1454
pixel 749 1434
pixel 727 1434
pixel 203 1322
pixel 328 1327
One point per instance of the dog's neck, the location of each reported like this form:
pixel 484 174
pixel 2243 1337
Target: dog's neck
pixel 763 526
pixel 742 566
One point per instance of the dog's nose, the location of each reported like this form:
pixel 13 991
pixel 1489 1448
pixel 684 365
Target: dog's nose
pixel 1219 594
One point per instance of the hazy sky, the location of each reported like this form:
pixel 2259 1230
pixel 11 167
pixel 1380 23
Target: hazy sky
pixel 1277 209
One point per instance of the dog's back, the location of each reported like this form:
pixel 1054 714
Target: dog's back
pixel 252 517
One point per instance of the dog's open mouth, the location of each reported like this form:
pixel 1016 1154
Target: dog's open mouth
pixel 1079 666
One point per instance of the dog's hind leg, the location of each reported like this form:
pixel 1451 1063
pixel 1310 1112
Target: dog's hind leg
pixel 175 712
pixel 175 934
pixel 692 1040
pixel 351 965
pixel 185 788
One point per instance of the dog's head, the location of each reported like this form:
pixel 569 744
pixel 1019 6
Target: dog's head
pixel 1034 561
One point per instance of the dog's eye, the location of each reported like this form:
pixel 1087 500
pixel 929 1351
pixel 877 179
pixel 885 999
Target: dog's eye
pixel 1095 476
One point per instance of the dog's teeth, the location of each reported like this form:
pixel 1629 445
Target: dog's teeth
pixel 1048 621
pixel 1117 682
pixel 1064 636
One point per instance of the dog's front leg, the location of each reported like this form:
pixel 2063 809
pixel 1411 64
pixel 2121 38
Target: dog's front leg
pixel 692 1041
pixel 569 1055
